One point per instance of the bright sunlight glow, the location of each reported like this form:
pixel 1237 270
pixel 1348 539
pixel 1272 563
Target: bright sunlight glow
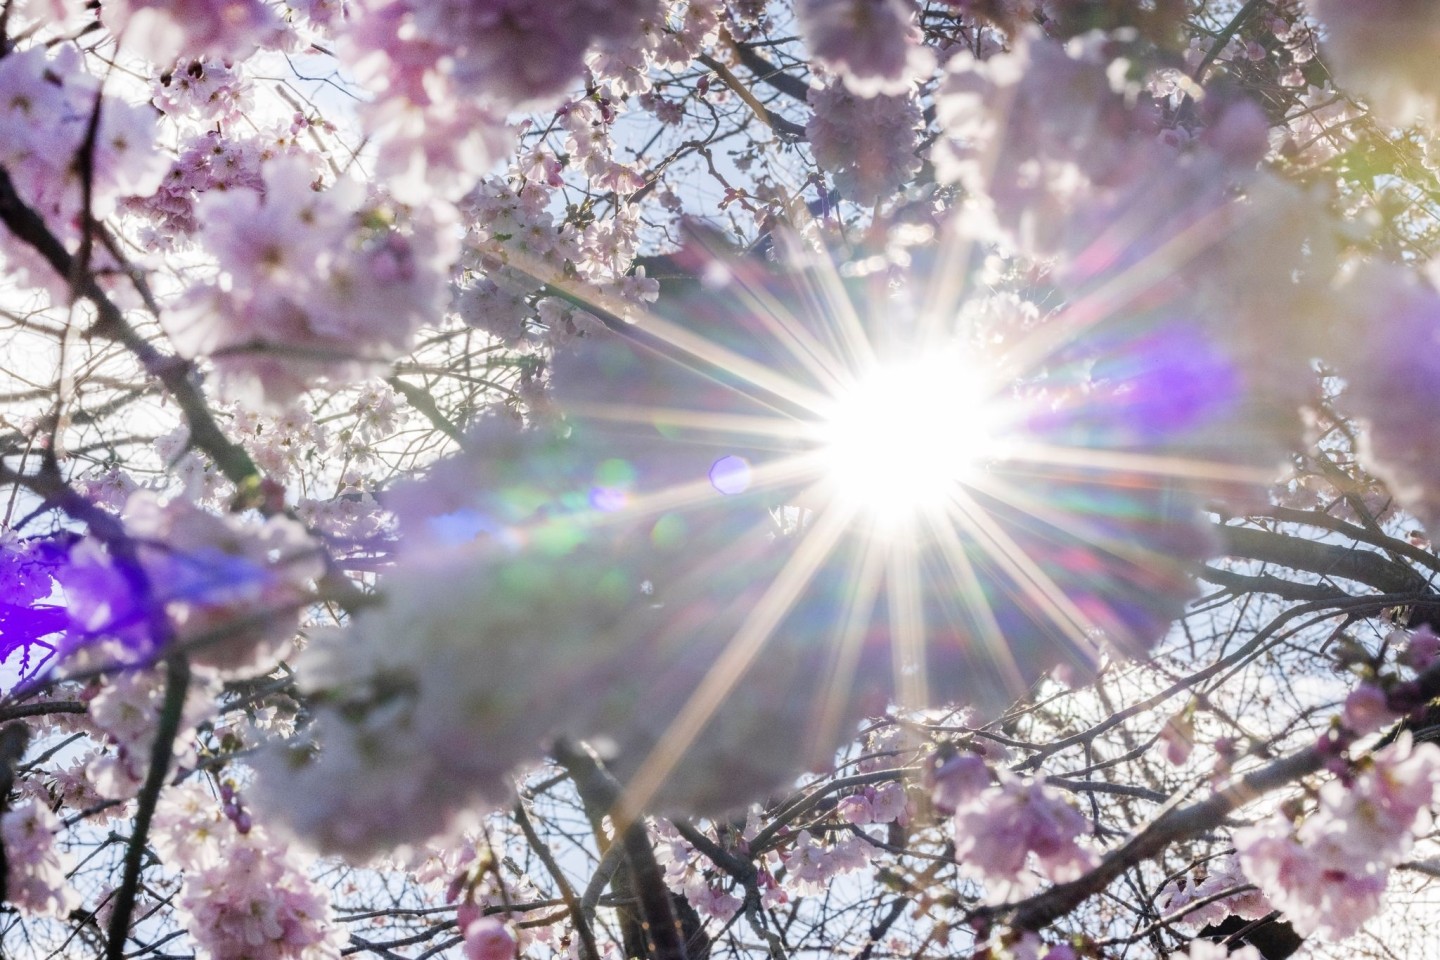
pixel 905 434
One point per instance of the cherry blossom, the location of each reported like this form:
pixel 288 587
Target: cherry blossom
pixel 1329 875
pixel 873 46
pixel 35 871
pixel 869 145
pixel 1399 82
pixel 997 830
pixel 209 575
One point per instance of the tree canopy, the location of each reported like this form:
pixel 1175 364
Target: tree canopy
pixel 702 479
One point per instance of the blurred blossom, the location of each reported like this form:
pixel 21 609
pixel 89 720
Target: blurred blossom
pixel 874 45
pixel 1386 49
pixel 868 145
pixel 1390 366
pixel 232 588
pixel 998 830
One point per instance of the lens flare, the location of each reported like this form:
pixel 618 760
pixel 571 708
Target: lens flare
pixel 898 441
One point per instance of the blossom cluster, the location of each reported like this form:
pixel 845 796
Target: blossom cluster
pixel 1328 875
pixel 47 102
pixel 869 145
pixel 313 282
pixel 35 872
pixel 873 46
pixel 999 828
pixel 231 591
pixel 246 893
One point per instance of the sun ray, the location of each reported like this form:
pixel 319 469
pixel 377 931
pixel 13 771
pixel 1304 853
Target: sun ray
pixel 974 602
pixel 798 339
pixel 943 286
pixel 1125 461
pixel 773 474
pixel 1074 526
pixel 732 424
pixel 1034 582
pixel 1118 290
pixel 946 286
pixel 718 357
pixel 863 590
pixel 647 325
pixel 907 623
pixel 831 300
pixel 739 653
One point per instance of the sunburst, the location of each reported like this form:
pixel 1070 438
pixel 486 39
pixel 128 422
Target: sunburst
pixel 960 515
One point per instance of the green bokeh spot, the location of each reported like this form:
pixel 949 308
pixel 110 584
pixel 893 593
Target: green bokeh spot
pixel 669 532
pixel 615 473
pixel 558 538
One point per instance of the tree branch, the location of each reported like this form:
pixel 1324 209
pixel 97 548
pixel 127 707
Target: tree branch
pixel 174 372
pixel 177 682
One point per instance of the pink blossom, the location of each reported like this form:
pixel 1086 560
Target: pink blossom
pixel 208 91
pixel 855 809
pixel 488 939
pixel 1375 816
pixel 810 863
pixel 888 804
pixel 957 781
pixel 874 45
pixel 1178 736
pixel 209 574
pixel 868 145
pixel 246 895
pixel 1321 889
pixel 1422 650
pixel 1366 710
pixel 1223 874
pixel 997 831
pixel 312 283
pixel 35 870
pixel 164 29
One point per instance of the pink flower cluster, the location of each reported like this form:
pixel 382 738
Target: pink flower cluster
pixel 429 701
pixel 209 162
pixel 514 248
pixel 812 863
pixel 487 938
pixel 162 30
pixel 1328 876
pixel 312 283
pixel 35 872
pixel 246 895
pixel 867 144
pixel 124 712
pixel 691 875
pixel 874 45
pixel 232 589
pixel 45 107
pixel 886 803
pixel 205 91
pixel 1221 876
pixel 447 73
pixel 998 829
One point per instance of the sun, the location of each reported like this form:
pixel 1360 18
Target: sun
pixel 896 442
